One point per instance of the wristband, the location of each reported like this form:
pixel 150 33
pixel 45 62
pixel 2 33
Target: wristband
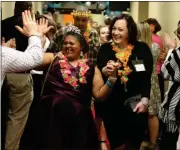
pixel 112 79
pixel 109 84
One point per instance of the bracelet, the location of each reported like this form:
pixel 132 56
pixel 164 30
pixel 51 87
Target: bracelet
pixel 38 35
pixel 112 79
pixel 109 84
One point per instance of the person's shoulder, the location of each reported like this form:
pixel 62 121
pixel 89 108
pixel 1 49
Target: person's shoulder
pixel 8 19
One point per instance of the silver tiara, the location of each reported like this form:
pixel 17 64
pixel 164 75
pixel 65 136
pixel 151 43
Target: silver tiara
pixel 72 28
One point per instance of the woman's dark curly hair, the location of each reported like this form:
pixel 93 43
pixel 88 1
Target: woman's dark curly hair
pixel 157 26
pixel 131 26
pixel 84 45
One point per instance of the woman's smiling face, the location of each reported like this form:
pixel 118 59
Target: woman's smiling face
pixel 71 47
pixel 120 32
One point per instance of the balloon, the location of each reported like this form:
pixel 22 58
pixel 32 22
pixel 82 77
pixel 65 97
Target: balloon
pixel 107 20
pixel 102 5
pixel 45 7
pixel 88 4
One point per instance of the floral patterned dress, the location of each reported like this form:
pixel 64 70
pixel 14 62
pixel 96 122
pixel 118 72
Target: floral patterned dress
pixel 155 96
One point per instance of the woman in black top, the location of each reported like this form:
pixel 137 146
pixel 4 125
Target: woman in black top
pixel 135 63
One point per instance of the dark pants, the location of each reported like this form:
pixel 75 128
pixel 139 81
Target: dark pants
pixel 161 85
pixel 169 141
pixel 4 112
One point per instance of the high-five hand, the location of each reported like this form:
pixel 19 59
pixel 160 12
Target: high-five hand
pixel 31 27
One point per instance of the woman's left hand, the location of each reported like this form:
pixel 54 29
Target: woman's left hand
pixel 140 108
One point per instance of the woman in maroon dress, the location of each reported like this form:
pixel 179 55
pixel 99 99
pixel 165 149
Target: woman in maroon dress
pixel 63 118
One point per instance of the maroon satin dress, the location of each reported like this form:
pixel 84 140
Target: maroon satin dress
pixel 63 119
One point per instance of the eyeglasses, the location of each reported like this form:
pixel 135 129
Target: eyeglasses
pixel 177 31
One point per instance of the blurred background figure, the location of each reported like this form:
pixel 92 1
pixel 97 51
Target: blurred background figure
pixel 155 28
pixel 103 34
pixel 145 35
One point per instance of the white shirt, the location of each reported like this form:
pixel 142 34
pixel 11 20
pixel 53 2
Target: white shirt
pixel 17 61
pixel 47 43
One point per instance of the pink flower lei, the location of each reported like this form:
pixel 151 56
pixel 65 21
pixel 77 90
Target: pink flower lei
pixel 67 74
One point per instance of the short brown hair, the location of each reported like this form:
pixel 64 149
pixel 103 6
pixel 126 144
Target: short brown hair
pixel 155 23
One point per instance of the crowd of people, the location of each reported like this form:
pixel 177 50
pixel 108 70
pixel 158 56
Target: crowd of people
pixel 86 86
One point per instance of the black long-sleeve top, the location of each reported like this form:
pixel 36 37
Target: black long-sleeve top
pixel 139 82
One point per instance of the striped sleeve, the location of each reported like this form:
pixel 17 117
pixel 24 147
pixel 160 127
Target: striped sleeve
pixel 171 67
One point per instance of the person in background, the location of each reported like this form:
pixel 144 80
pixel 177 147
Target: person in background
pixel 38 76
pixel 17 61
pixel 19 97
pixel 63 118
pixel 125 126
pixel 170 109
pixel 81 19
pixel 103 34
pixel 145 35
pixel 156 27
pixel 95 25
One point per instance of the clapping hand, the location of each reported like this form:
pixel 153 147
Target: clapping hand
pixel 111 68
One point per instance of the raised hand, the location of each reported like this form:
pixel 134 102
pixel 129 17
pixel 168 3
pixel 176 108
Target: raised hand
pixel 29 24
pixel 42 25
pixel 31 27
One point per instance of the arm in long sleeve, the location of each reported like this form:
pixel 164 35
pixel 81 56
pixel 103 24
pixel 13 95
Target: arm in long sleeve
pixel 171 66
pixel 16 61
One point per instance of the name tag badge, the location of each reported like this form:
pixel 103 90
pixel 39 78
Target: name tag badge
pixel 138 65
